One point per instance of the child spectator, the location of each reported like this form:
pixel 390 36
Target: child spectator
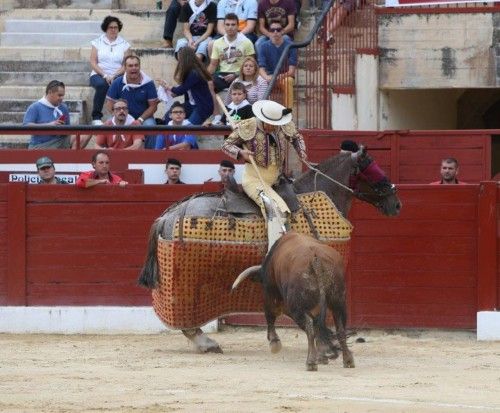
pixel 177 141
pixel 255 84
pixel 199 17
pixel 239 108
pixel 193 81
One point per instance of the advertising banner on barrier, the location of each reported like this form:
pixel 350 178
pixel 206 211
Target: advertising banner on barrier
pixel 404 3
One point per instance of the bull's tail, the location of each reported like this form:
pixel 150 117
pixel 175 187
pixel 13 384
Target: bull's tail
pixel 325 334
pixel 149 274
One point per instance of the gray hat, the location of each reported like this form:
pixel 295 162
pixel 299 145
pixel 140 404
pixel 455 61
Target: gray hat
pixel 44 161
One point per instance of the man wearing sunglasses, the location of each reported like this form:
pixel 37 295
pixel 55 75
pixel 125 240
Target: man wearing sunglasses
pixel 269 55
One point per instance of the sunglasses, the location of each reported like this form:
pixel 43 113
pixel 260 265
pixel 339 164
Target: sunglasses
pixel 120 108
pixel 275 30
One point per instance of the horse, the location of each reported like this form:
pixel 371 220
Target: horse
pixel 340 177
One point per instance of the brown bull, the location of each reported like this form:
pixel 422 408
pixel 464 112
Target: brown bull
pixel 304 278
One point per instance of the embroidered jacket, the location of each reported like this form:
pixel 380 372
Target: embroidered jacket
pixel 255 139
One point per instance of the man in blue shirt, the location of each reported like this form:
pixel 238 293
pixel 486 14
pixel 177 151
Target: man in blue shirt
pixel 269 55
pixel 49 111
pixel 139 90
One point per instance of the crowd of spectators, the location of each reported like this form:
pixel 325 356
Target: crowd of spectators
pixel 220 51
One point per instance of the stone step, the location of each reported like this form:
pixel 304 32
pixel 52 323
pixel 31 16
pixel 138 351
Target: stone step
pixel 16 118
pixel 44 66
pixel 47 39
pixel 43 78
pixel 84 93
pixel 21 105
pixel 53 4
pixel 49 26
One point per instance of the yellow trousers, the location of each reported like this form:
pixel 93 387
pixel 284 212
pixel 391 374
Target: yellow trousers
pixel 252 186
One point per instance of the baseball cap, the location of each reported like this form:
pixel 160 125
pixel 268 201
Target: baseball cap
pixel 44 161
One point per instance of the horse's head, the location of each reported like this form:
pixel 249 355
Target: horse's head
pixel 370 184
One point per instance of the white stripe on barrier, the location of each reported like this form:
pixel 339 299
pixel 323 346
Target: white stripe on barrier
pixel 84 320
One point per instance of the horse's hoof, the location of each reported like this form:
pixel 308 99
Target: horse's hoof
pixel 323 360
pixel 215 349
pixel 312 367
pixel 275 346
pixel 349 364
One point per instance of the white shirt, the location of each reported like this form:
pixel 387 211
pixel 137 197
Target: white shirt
pixel 110 54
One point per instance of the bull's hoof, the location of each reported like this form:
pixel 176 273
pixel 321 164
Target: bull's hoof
pixel 275 346
pixel 311 367
pixel 349 363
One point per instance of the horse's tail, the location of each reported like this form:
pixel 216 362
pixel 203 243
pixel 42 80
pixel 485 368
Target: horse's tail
pixel 149 274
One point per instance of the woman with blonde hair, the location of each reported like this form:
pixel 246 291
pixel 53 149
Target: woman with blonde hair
pixel 255 84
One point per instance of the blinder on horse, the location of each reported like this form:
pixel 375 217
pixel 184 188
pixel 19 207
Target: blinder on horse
pixel 368 172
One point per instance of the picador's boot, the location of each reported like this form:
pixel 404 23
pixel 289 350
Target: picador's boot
pixel 276 221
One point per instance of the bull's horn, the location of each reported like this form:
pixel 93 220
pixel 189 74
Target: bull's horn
pixel 245 274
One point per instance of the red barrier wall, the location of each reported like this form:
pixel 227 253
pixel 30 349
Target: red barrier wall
pixel 434 266
pixel 413 156
pixel 419 269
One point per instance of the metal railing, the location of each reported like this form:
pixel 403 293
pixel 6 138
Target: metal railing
pixel 326 61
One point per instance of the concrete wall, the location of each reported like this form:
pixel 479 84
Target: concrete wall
pixel 419 109
pixel 437 51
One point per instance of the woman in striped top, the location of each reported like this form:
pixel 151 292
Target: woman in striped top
pixel 254 83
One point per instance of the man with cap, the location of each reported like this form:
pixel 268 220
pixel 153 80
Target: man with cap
pixel 47 172
pixel 173 172
pixel 266 138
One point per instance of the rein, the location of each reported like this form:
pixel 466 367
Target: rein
pixel 317 171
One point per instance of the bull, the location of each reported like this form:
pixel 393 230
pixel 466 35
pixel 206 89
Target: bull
pixel 303 278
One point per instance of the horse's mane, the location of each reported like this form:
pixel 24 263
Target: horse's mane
pixel 333 162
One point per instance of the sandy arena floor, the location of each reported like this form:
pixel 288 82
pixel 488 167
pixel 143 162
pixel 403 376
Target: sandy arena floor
pixel 417 371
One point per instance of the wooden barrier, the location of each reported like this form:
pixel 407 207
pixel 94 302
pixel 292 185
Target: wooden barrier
pixel 408 157
pixel 434 266
pixel 413 157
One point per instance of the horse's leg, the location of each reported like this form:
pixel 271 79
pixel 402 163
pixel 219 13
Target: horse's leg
pixel 271 311
pixel 202 342
pixel 340 321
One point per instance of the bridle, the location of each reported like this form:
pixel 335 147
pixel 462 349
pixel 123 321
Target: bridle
pixel 379 189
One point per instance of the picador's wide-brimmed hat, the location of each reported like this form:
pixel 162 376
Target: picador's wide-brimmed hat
pixel 271 112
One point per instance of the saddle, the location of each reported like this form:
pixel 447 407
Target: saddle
pixel 238 203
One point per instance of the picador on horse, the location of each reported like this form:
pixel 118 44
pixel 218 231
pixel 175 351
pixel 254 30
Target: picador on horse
pixel 200 244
